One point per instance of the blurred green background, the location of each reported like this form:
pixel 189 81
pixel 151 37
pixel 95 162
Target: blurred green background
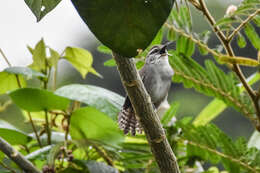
pixel 59 36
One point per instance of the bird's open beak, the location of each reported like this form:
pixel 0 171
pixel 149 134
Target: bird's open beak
pixel 164 48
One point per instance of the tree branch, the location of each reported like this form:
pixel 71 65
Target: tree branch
pixel 17 157
pixel 225 42
pixel 149 120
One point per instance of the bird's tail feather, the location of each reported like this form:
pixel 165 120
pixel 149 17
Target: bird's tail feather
pixel 127 121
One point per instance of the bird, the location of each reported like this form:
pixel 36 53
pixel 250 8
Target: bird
pixel 156 75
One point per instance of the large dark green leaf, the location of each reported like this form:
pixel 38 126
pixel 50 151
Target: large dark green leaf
pixel 104 100
pixel 33 99
pixel 90 124
pixel 124 26
pixel 13 135
pixel 41 7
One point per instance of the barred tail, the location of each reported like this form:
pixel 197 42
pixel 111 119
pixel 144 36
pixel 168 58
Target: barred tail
pixel 127 120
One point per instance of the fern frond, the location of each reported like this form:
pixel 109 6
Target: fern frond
pixel 211 144
pixel 211 81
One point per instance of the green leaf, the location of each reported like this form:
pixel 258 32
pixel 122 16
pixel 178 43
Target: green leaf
pixel 172 35
pixel 241 41
pixel 158 38
pixel 252 36
pixel 238 60
pixel 81 59
pixel 104 49
pixel 224 21
pixel 25 71
pixel 129 25
pixel 54 58
pixel 39 56
pixel 41 7
pixel 99 167
pixel 90 124
pixel 210 81
pixel 185 46
pixel 9 82
pixel 110 63
pixel 211 111
pixel 102 99
pixel 171 112
pixel 34 100
pixel 216 106
pixel 13 135
pixel 211 144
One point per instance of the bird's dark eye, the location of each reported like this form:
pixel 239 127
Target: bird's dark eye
pixel 154 51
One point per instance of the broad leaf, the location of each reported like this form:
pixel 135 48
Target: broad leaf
pixel 41 7
pixel 25 71
pixel 39 56
pixel 90 124
pixel 13 135
pixel 124 26
pixel 81 59
pixel 104 100
pixel 34 100
pixel 110 63
pixel 9 82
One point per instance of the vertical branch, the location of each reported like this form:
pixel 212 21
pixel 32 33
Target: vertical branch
pixel 149 120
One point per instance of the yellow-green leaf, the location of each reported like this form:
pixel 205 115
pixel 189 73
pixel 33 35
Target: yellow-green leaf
pixel 81 59
pixel 239 60
pixel 9 82
pixel 39 56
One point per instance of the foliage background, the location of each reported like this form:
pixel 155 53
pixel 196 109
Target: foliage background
pixel 76 33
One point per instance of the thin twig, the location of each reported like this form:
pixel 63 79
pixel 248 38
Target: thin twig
pixel 34 129
pixel 47 128
pixel 17 157
pixel 5 58
pixel 248 19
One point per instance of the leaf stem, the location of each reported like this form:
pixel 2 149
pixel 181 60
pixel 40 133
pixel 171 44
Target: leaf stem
pixel 34 129
pixel 5 58
pixel 47 128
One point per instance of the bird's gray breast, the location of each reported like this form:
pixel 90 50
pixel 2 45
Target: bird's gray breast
pixel 157 80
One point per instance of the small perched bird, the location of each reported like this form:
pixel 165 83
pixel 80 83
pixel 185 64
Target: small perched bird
pixel 156 75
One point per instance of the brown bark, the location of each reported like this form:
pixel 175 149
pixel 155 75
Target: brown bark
pixel 17 157
pixel 149 120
